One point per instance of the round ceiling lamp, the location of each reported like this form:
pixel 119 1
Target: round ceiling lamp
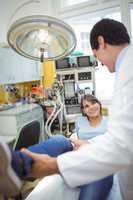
pixel 41 37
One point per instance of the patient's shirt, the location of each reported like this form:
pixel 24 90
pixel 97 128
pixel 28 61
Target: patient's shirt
pixel 85 131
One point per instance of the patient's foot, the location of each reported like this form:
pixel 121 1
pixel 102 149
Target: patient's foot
pixel 21 163
pixel 10 184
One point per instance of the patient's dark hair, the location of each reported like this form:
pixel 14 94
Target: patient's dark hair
pixel 92 99
pixel 113 32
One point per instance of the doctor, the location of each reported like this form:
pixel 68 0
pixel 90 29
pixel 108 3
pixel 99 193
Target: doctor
pixel 112 152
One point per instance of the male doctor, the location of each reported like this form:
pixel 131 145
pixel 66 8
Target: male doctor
pixel 112 152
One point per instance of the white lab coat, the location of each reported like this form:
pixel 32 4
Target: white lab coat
pixel 113 151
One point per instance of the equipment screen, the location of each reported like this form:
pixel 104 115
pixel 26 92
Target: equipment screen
pixel 62 63
pixel 83 61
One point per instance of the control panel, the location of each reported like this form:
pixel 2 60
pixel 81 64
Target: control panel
pixel 68 77
pixel 84 76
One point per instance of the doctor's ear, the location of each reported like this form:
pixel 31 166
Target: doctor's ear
pixel 101 42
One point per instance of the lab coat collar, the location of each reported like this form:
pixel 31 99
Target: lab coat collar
pixel 120 59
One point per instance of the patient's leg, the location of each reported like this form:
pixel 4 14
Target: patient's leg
pixel 54 146
pixel 98 190
pixel 16 163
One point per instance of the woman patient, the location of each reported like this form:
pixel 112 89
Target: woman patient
pixel 91 124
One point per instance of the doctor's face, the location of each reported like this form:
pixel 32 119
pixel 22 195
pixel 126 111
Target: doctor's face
pixel 91 108
pixel 105 59
pixel 105 54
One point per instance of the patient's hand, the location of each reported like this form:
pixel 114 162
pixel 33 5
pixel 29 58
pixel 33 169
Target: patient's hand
pixel 43 165
pixel 78 143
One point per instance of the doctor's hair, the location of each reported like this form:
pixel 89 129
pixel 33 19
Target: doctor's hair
pixel 113 32
pixel 92 99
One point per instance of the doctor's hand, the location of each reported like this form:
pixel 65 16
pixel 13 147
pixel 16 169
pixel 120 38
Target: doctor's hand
pixel 78 143
pixel 43 165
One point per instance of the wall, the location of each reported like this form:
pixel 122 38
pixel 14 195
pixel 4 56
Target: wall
pixel 15 68
pixel 91 6
pixel 10 10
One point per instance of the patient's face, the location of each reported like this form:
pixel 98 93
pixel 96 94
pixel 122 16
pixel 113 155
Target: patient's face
pixel 91 109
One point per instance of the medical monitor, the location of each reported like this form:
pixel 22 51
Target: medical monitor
pixel 62 63
pixel 83 61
